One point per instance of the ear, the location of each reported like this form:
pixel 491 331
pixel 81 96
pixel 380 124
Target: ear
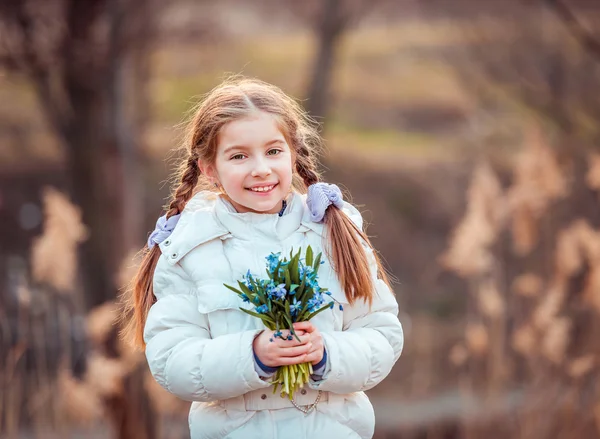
pixel 207 170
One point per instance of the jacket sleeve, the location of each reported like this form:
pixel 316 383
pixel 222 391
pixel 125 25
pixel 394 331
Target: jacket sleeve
pixel 371 341
pixel 182 356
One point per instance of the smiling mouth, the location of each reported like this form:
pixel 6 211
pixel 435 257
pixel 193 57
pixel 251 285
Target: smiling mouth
pixel 263 189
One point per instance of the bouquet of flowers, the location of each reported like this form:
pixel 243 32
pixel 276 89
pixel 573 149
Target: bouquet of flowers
pixel 290 294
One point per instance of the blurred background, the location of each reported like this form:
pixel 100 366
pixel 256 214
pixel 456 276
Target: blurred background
pixel 466 131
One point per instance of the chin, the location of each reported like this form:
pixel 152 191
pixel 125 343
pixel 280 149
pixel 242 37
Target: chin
pixel 264 206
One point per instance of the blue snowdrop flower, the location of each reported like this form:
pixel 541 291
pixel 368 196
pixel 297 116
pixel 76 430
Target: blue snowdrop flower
pixel 247 277
pixel 273 260
pixel 295 308
pixel 262 309
pixel 308 270
pixel 278 293
pixel 315 302
pixel 245 298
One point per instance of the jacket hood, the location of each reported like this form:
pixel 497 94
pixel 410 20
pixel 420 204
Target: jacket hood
pixel 208 216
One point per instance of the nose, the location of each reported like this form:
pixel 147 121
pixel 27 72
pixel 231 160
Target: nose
pixel 261 168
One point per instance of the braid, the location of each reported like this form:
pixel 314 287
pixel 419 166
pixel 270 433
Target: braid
pixel 139 296
pixel 305 165
pixel 189 178
pixel 346 243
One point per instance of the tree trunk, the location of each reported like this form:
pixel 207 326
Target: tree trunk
pixel 94 162
pixel 329 31
pixel 123 130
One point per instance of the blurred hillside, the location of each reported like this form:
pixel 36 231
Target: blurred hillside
pixel 465 132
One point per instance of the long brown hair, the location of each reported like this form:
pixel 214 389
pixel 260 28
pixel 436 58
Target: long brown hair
pixel 236 98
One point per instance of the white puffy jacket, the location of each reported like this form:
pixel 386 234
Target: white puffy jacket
pixel 199 344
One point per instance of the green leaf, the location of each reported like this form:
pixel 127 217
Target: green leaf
pixel 235 290
pixel 276 275
pixel 302 313
pixel 288 281
pixel 289 322
pixel 278 305
pixel 294 269
pixel 263 317
pixel 301 289
pixel 254 284
pixel 317 263
pixel 309 256
pixel 244 288
pixel 287 311
pixel 317 312
pixel 261 295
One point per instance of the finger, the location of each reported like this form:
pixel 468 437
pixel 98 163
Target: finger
pixel 306 326
pixel 286 361
pixel 295 351
pixel 313 356
pixel 287 332
pixel 290 343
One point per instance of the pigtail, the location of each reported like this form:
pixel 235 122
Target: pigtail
pixel 347 252
pixel 139 296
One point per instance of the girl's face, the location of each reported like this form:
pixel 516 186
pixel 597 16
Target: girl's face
pixel 253 164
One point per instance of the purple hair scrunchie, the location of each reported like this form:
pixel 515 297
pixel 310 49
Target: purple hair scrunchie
pixel 163 229
pixel 320 197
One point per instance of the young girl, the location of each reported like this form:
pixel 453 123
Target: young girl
pixel 251 148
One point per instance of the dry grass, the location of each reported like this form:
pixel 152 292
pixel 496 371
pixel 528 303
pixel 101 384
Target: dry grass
pixel 54 254
pixel 40 387
pixel 531 324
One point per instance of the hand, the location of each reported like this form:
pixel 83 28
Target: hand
pixel 315 353
pixel 282 352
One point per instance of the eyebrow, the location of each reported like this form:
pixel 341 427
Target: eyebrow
pixel 232 147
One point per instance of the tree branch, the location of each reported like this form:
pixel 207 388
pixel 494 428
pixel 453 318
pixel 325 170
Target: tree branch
pixel 27 60
pixel 573 25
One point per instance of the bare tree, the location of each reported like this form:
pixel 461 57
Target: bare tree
pixel 329 19
pixel 77 57
pixel 567 15
pixel 539 62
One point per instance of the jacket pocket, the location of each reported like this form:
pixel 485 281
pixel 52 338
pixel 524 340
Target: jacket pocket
pixel 356 413
pixel 211 421
pixel 222 308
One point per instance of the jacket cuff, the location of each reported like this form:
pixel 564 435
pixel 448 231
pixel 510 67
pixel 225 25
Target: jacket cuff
pixel 261 368
pixel 321 364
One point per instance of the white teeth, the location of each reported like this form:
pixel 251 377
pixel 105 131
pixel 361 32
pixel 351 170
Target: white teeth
pixel 262 189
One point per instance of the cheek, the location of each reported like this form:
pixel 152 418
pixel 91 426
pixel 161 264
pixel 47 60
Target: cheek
pixel 284 169
pixel 230 174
